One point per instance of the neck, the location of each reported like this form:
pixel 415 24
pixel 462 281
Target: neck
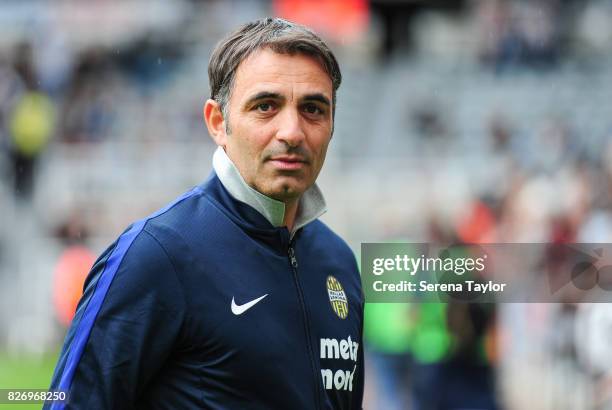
pixel 310 205
pixel 291 208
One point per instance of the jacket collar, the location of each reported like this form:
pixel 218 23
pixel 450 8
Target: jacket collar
pixel 311 204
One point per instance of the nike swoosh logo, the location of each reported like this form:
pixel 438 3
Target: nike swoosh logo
pixel 240 309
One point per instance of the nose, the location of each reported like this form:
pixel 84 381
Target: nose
pixel 290 129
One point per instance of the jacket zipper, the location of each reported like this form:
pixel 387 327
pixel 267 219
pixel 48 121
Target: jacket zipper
pixel 294 267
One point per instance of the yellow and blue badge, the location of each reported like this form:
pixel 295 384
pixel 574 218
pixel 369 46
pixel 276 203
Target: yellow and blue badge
pixel 337 297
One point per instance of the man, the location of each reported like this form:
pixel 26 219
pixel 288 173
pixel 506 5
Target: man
pixel 235 296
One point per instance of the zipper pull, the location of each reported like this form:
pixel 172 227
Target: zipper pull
pixel 292 257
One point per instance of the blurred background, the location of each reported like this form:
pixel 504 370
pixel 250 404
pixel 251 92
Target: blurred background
pixel 472 121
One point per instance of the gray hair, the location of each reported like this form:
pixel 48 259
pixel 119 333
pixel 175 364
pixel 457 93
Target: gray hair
pixel 279 35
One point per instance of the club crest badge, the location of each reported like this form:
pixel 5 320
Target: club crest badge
pixel 337 297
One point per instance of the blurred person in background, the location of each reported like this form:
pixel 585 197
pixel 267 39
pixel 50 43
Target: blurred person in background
pixel 235 295
pixel 453 348
pixel 519 33
pixel 30 123
pixel 72 267
pixel 86 114
pixel 388 332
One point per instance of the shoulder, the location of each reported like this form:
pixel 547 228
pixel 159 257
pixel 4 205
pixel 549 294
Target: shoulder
pixel 146 249
pixel 183 222
pixel 323 237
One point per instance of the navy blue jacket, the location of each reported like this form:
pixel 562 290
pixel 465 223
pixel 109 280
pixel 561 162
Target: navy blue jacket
pixel 172 315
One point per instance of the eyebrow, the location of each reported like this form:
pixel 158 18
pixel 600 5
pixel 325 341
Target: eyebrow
pixel 264 95
pixel 317 97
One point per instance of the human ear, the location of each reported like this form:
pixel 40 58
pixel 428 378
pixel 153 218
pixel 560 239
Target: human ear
pixel 213 117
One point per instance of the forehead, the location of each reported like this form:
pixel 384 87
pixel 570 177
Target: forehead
pixel 266 70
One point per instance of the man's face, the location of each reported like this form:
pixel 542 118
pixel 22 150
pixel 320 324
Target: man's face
pixel 280 122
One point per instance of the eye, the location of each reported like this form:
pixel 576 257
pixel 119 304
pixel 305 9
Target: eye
pixel 264 107
pixel 313 109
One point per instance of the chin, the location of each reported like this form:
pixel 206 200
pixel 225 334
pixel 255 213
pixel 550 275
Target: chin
pixel 286 192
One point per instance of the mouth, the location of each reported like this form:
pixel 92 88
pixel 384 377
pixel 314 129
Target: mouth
pixel 288 162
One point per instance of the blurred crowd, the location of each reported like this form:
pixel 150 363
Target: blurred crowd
pixel 510 142
pixel 71 101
